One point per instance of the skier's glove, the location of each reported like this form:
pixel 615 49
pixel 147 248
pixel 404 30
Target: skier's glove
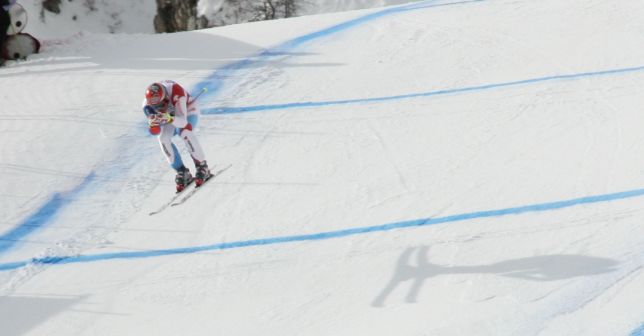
pixel 160 119
pixel 156 117
pixel 155 130
pixel 155 122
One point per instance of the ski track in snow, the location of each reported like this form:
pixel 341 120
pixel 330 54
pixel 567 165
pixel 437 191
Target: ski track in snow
pixel 539 80
pixel 333 234
pixel 42 216
pixel 639 331
pixel 216 82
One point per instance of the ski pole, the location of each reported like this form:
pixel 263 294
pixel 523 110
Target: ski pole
pixel 205 89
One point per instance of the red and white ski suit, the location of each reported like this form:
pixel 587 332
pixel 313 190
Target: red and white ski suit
pixel 185 116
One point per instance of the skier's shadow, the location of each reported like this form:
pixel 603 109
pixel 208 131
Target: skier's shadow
pixel 539 268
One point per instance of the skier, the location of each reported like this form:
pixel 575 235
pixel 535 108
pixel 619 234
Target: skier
pixel 171 111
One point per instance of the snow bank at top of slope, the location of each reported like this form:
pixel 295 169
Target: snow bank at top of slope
pixel 137 16
pixel 101 16
pixel 219 13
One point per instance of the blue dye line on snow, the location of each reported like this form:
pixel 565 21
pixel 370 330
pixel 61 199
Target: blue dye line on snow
pixel 638 332
pixel 32 223
pixel 543 207
pixel 42 216
pixel 214 82
pixel 364 19
pixel 257 108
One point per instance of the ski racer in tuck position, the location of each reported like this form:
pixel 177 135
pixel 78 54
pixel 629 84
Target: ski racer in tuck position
pixel 171 111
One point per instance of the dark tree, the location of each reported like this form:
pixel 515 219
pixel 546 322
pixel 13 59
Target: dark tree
pixel 277 9
pixel 177 15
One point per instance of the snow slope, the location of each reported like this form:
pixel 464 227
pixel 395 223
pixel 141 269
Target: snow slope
pixel 435 168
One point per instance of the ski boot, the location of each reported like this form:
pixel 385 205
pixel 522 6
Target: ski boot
pixel 183 178
pixel 203 173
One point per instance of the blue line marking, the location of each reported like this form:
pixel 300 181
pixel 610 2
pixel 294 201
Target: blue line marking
pixel 244 109
pixel 638 332
pixel 542 207
pixel 214 82
pixel 42 216
pixel 358 21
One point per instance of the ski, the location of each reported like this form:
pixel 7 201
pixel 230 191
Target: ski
pixel 195 189
pixel 172 200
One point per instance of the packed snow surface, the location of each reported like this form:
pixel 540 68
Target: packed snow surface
pixel 430 168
